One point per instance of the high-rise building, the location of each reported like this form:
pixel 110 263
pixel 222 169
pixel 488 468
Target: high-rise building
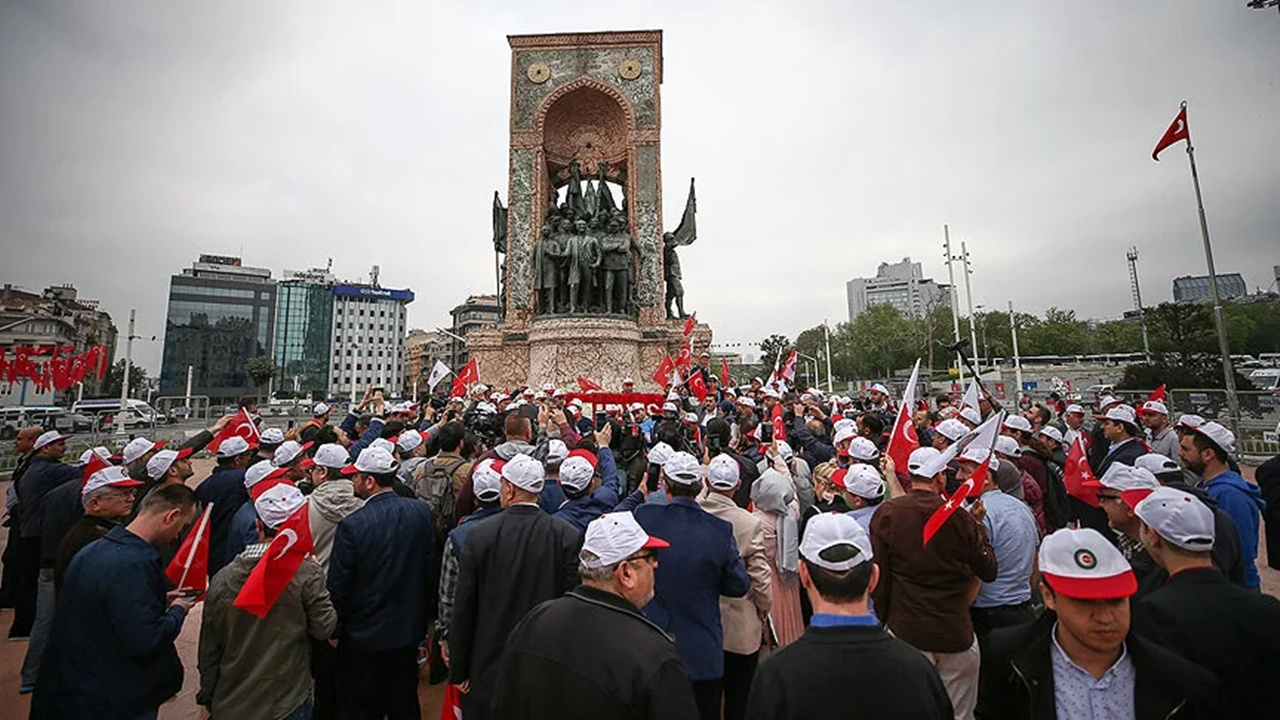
pixel 56 317
pixel 304 331
pixel 221 314
pixel 477 311
pixel 1195 288
pixel 901 285
pixel 367 347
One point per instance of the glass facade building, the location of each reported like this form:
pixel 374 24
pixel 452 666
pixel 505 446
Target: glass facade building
pixel 220 315
pixel 1195 288
pixel 304 330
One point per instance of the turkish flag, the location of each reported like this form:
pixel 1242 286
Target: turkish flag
pixel 662 376
pixel 588 385
pixel 779 427
pixel 904 440
pixel 724 372
pixel 95 464
pixel 1076 472
pixel 698 387
pixel 789 368
pixel 1157 395
pixel 690 323
pixel 983 437
pixel 452 707
pixel 241 424
pixel 190 567
pixel 1177 131
pixel 467 375
pixel 684 360
pixel 273 573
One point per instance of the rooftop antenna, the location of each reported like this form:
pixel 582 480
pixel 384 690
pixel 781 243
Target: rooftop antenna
pixel 373 276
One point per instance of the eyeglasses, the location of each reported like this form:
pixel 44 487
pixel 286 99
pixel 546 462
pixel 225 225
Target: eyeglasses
pixel 643 556
pixel 1109 498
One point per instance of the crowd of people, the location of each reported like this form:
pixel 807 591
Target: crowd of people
pixel 747 551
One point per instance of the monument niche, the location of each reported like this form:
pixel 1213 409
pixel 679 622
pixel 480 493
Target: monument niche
pixel 589 283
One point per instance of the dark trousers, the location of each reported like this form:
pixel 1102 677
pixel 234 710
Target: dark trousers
pixel 373 685
pixel 474 708
pixel 324 673
pixel 738 672
pixel 6 569
pixel 1001 616
pixel 26 582
pixel 706 694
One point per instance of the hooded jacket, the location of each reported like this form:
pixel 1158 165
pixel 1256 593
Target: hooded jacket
pixel 331 501
pixel 1228 550
pixel 1243 502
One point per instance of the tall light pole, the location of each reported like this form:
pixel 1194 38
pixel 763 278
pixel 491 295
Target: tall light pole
pixel 968 291
pixel 955 304
pixel 128 360
pixel 826 330
pixel 1017 360
pixel 1132 255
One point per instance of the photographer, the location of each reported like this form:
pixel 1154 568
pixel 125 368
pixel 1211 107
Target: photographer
pixel 719 443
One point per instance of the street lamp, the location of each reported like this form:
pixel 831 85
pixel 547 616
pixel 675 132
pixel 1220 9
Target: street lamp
pixel 982 318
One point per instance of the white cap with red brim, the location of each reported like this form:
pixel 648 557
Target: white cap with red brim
pixel 1083 564
pixel 113 476
pixel 525 473
pixel 614 537
pixel 1178 517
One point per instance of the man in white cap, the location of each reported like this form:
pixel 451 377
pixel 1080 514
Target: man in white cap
pixel 590 481
pixel 845 665
pixel 864 491
pixel 510 562
pixel 107 498
pixel 1119 490
pixel 413 453
pixel 378 584
pixel 878 399
pixel 488 486
pixel 45 473
pixel 1160 434
pixel 170 467
pixel 289 456
pixel 1206 451
pixel 241 533
pixel 111 648
pixel 703 565
pixel 1046 446
pixel 552 496
pixel 1201 615
pixel 518 432
pixel 1072 424
pixel 239 651
pixel 1120 439
pixel 268 442
pixel 1228 549
pixel 924 595
pixel 1014 534
pixel 555 661
pixel 135 454
pixel 1079 660
pixel 225 490
pixel 740 617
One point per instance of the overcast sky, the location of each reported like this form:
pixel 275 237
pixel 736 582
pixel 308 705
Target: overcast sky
pixel 826 137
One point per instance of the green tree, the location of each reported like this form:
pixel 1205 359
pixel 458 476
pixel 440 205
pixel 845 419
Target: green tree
pixel 877 342
pixel 773 349
pixel 115 376
pixel 1059 333
pixel 261 370
pixel 1116 336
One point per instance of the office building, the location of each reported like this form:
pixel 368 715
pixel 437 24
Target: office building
pixel 422 348
pixel 1195 288
pixel 221 314
pixel 477 311
pixel 304 332
pixel 367 347
pixel 901 285
pixel 56 317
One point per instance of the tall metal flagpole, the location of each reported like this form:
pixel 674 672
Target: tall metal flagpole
pixel 826 329
pixel 1017 359
pixel 955 303
pixel 968 291
pixel 1228 372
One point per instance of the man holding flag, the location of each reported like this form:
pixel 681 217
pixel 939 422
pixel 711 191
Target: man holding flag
pixel 269 639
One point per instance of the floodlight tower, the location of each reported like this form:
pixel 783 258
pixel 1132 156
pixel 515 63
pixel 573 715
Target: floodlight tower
pixel 1132 255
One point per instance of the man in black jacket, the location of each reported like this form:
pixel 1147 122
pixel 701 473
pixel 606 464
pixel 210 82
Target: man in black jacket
pixel 1228 551
pixel 46 472
pixel 845 665
pixel 1121 441
pixel 510 563
pixel 1080 655
pixel 556 664
pixel 1199 614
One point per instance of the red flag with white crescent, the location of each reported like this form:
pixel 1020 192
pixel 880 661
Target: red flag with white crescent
pixel 684 360
pixel 469 373
pixel 1177 131
pixel 1077 471
pixel 95 463
pixel 275 570
pixel 698 387
pixel 190 567
pixel 241 424
pixel 662 376
pixel 788 372
pixel 588 385
pixel 1157 395
pixel 690 323
pixel 724 372
pixel 983 437
pixel 904 441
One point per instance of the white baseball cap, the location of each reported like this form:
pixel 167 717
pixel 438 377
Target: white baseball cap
pixel 100 451
pixel 842 423
pixel 409 440
pixel 1006 445
pixel 723 472
pixel 848 432
pixel 260 471
pixel 971 414
pixel 1082 564
pixel 288 451
pixel 332 455
pixel 682 468
pixel 976 454
pixel 1157 464
pixel 1107 400
pixel 233 446
pixel 1122 413
pixel 628 381
pixel 278 503
pixel 952 429
pixel 132 451
pixel 861 480
pixel 614 537
pixel 1051 432
pixel 878 387
pixel 1073 408
pixel 670 407
pixel 112 476
pixel 269 436
pixel 576 472
pixel 159 463
pixel 784 450
pixel 921 461
pixel 556 450
pixel 1134 483
pixel 744 400
pixel 320 409
pixel 373 460
pixel 660 453
pixel 525 473
pixel 1189 421
pixel 1155 406
pixel 486 479
pixel 1220 436
pixel 835 542
pixel 770 392
pixel 1178 517
pixel 861 448
pixel 385 444
pixel 1017 422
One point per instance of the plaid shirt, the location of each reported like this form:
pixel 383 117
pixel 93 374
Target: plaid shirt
pixel 448 588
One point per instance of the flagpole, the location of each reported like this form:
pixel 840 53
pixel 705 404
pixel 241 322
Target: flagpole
pixel 1228 372
pixel 826 329
pixel 955 309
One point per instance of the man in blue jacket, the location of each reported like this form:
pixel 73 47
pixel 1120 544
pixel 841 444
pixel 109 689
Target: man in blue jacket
pixel 378 584
pixel 701 565
pixel 46 472
pixel 1205 452
pixel 225 490
pixel 587 499
pixel 111 652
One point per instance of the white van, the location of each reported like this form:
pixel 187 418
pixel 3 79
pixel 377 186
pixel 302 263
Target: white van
pixel 139 412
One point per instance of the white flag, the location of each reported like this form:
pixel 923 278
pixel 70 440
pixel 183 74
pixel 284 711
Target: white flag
pixel 438 373
pixel 970 398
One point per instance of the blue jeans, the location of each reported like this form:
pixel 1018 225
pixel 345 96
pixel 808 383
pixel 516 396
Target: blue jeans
pixel 46 601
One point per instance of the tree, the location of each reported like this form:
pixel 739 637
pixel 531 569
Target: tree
pixel 773 349
pixel 876 343
pixel 261 370
pixel 115 376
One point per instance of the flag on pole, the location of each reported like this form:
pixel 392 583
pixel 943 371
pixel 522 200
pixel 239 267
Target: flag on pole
pixel 1077 472
pixel 690 323
pixel 970 398
pixel 698 387
pixel 468 374
pixel 662 376
pixel 190 567
pixel 588 385
pixel 241 424
pixel 275 570
pixel 789 368
pixel 1177 131
pixel 684 360
pixel 904 441
pixel 984 438
pixel 1158 395
pixel 724 372
pixel 438 372
pixel 779 427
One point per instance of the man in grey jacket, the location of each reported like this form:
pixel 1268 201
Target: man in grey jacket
pixel 1160 434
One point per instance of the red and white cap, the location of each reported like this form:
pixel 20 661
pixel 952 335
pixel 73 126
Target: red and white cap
pixel 848 432
pixel 628 381
pixel 1121 413
pixel 160 463
pixel 134 449
pixel 263 478
pixel 321 409
pixel 682 468
pixel 1051 432
pixel 332 455
pixel 288 451
pixel 746 401
pixel 1106 401
pixel 614 537
pixel 100 451
pixel 1188 421
pixel 525 473
pixel 278 503
pixel 576 472
pixel 1080 563
pixel 1157 464
pixel 1017 422
pixel 1155 406
pixel 409 440
pixel 880 388
pixel 387 444
pixel 723 472
pixel 49 438
pixel 1134 483
pixel 373 460
pixel 1178 517
pixel 1006 445
pixel 233 446
pixel 486 479
pixel 269 436
pixel 660 453
pixel 861 480
pixel 113 476
pixel 835 542
pixel 1220 436
pixel 1073 408
pixel 770 392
